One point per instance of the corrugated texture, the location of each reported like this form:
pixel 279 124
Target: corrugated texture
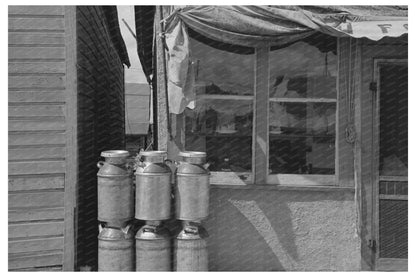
pixel 37 126
pixel 100 118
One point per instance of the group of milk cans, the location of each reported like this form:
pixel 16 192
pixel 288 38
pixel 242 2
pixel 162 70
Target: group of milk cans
pixel 153 247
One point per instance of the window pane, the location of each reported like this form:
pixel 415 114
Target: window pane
pixel 222 121
pixel 302 115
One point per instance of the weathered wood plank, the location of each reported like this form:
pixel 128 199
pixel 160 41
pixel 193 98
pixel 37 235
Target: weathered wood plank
pixel 20 38
pixel 36 67
pixel 39 167
pixel 25 230
pixel 36 10
pixel 36 24
pixel 44 269
pixel 43 244
pixel 36 199
pixel 35 260
pixel 36 214
pixel 47 81
pixel 36 96
pixel 37 125
pixel 36 153
pixel 161 101
pixel 71 138
pixel 35 182
pixel 16 139
pixel 33 53
pixel 37 110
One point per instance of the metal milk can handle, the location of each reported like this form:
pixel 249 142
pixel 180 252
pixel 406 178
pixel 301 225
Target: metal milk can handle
pixel 126 230
pixel 191 230
pixel 150 229
pixel 100 164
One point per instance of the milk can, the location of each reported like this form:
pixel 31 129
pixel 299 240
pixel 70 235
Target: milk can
pixel 116 249
pixel 153 249
pixel 115 189
pixel 153 188
pixel 190 249
pixel 192 188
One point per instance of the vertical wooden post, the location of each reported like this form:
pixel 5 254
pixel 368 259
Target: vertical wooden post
pixel 261 96
pixel 161 81
pixel 71 175
pixel 344 155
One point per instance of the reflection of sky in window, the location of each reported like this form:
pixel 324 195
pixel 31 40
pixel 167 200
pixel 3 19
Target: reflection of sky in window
pixel 229 71
pixel 301 58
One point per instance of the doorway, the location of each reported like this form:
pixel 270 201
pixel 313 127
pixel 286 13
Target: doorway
pixel 390 164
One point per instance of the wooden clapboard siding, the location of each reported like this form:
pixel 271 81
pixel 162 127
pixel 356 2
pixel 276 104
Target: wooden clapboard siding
pixel 36 24
pixel 36 110
pixel 33 182
pixel 36 67
pixel 37 153
pixel 38 129
pixel 45 268
pixel 36 199
pixel 66 105
pixel 53 258
pixel 36 229
pixel 42 244
pixel 28 214
pixel 36 10
pixel 36 39
pixel 39 96
pixel 17 139
pixel 40 81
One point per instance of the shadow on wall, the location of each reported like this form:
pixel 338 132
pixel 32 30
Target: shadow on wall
pixel 281 231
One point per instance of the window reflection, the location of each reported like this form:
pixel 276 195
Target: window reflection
pixel 222 121
pixel 302 117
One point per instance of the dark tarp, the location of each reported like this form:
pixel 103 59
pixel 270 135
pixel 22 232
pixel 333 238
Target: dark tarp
pixel 111 16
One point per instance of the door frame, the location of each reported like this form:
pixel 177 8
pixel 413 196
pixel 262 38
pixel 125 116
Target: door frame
pixel 381 264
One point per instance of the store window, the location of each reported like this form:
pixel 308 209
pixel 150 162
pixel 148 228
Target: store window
pixel 297 110
pixel 302 115
pixel 222 122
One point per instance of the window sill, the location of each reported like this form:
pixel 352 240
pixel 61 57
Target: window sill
pixel 282 187
pixel 232 180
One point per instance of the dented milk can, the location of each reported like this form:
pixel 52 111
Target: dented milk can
pixel 115 189
pixel 192 188
pixel 153 249
pixel 190 249
pixel 153 187
pixel 116 249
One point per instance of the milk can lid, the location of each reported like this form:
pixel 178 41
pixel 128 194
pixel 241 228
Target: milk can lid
pixel 153 153
pixel 115 154
pixel 110 233
pixel 149 232
pixel 191 232
pixel 192 154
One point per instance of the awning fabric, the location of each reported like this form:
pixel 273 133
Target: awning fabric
pixel 274 26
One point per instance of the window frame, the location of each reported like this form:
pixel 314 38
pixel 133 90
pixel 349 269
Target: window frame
pixel 260 133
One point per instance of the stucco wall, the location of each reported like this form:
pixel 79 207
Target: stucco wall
pixel 291 230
